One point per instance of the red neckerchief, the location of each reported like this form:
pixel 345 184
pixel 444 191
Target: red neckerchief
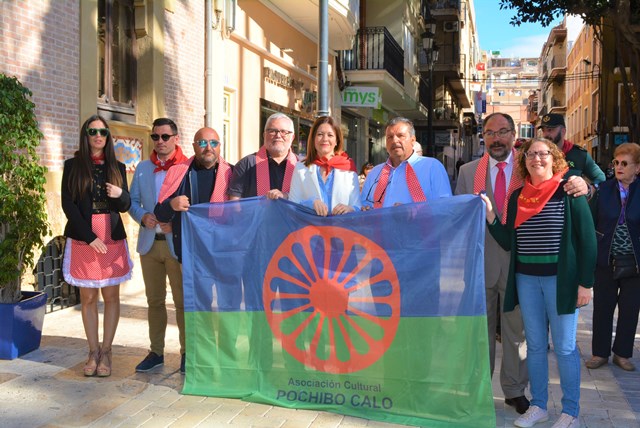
pixel 340 161
pixel 98 160
pixel 416 192
pixel 176 175
pixel 263 183
pixel 566 146
pixel 175 158
pixel 533 198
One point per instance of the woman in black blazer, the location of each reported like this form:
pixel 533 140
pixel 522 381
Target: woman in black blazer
pixel 96 259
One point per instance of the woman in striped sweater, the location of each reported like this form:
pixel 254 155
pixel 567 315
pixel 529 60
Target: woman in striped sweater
pixel 553 253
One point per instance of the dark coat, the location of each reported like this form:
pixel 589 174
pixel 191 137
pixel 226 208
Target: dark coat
pixel 606 207
pixel 79 213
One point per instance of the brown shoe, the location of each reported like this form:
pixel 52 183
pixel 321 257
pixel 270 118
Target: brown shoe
pixel 596 362
pixel 623 363
pixel 104 366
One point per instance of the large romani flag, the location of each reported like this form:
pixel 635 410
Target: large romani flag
pixel 378 314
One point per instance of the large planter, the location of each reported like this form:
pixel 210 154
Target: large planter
pixel 21 325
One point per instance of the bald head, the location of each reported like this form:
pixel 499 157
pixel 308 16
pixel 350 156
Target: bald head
pixel 206 146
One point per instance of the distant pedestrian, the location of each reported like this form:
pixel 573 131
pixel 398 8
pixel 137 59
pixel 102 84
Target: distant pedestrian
pixel 459 163
pixel 96 259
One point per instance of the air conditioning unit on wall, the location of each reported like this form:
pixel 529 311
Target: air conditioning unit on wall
pixel 451 26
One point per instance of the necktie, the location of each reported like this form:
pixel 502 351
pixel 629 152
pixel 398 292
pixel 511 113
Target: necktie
pixel 500 190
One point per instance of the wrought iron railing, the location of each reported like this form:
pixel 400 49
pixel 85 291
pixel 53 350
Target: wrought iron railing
pixel 375 49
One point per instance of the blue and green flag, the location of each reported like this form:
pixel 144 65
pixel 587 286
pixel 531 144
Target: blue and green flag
pixel 377 314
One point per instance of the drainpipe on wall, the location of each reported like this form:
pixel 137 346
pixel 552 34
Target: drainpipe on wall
pixel 323 60
pixel 208 79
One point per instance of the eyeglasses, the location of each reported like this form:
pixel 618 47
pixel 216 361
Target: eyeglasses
pixel 165 137
pixel 501 133
pixel 95 131
pixel 204 143
pixel 273 132
pixel 624 163
pixel 543 154
pixel 373 189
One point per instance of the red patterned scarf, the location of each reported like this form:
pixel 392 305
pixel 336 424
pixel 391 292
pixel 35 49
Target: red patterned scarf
pixel 341 161
pixel 176 174
pixel 480 182
pixel 533 198
pixel 98 160
pixel 176 158
pixel 416 192
pixel 263 184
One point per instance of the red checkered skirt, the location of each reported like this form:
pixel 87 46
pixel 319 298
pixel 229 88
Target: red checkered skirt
pixel 84 267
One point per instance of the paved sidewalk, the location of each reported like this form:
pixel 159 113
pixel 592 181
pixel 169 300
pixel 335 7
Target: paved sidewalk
pixel 46 388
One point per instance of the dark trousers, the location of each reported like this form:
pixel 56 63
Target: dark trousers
pixel 607 294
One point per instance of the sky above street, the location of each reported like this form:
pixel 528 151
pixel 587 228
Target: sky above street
pixel 496 34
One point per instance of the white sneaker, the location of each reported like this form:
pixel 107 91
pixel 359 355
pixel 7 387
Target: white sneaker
pixel 566 421
pixel 532 416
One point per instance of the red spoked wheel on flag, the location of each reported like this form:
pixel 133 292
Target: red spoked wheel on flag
pixel 332 298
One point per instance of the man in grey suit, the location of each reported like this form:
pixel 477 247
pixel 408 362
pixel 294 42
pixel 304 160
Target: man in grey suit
pixel 155 244
pixel 481 175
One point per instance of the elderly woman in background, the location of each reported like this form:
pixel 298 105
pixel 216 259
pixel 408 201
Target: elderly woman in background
pixel 617 217
pixel 553 256
pixel 326 181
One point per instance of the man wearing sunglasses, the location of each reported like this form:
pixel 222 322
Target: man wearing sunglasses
pixel 202 178
pixel 580 162
pixel 155 244
pixel 267 172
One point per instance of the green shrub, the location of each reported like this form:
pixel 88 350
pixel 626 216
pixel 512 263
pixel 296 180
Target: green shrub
pixel 23 216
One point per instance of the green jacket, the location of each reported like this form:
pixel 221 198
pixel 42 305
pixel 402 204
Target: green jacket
pixel 577 258
pixel 583 165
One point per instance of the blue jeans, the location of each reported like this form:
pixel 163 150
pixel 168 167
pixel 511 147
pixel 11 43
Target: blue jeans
pixel 537 296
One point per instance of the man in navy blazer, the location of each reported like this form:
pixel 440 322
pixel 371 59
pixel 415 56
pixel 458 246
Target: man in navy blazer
pixel 155 244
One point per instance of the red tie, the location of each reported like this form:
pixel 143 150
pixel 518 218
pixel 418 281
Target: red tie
pixel 500 190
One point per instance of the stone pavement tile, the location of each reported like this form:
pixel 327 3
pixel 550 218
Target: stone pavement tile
pixel 301 415
pixel 126 410
pixel 192 418
pixel 257 421
pixel 623 419
pixel 227 411
pixel 596 422
pixel 158 422
pixel 168 399
pixel 136 420
pixel 295 424
pixel 188 401
pixel 352 421
pixel 327 420
pixel 256 409
pixel 109 421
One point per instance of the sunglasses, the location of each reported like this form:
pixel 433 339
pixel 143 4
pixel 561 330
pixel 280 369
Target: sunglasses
pixel 95 131
pixel 165 137
pixel 204 143
pixel 624 163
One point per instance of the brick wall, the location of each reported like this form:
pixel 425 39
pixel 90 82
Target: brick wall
pixel 184 69
pixel 39 44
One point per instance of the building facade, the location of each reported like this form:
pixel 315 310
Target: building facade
pixel 225 63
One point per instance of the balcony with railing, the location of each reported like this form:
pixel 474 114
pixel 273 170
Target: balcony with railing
pixel 445 8
pixel 375 49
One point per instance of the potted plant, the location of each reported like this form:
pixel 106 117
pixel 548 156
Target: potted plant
pixel 23 219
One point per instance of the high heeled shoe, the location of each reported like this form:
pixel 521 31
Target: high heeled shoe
pixel 91 366
pixel 104 366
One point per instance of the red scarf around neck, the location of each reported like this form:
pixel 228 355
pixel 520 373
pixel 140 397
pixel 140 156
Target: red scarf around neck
pixel 176 157
pixel 480 182
pixel 263 184
pixel 534 197
pixel 413 184
pixel 98 160
pixel 340 161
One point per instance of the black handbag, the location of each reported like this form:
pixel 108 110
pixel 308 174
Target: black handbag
pixel 624 266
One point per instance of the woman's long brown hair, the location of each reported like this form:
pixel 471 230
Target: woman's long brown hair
pixel 80 178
